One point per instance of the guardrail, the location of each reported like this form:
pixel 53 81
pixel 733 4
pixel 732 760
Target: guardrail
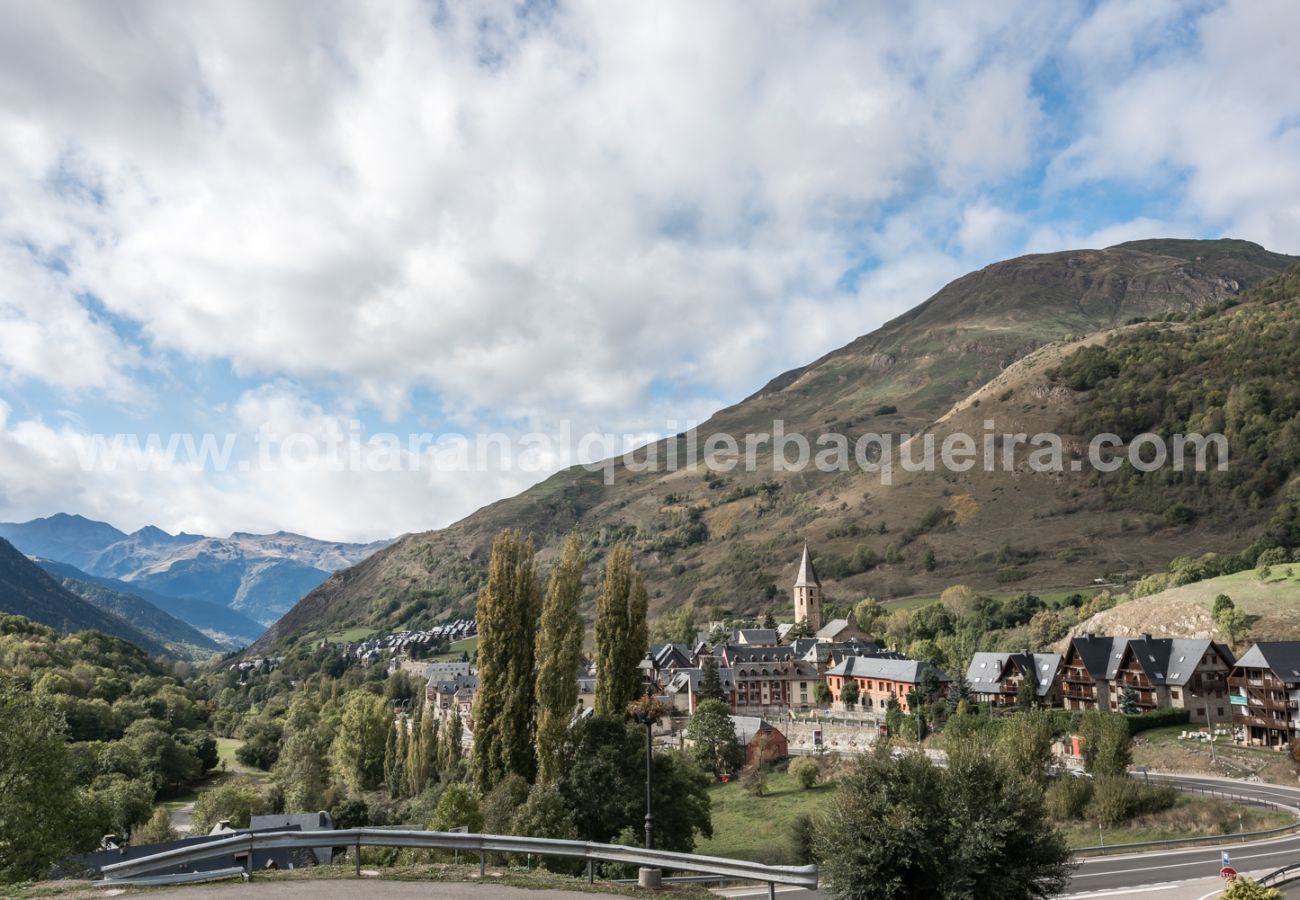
pixel 482 844
pixel 1242 836
pixel 1281 876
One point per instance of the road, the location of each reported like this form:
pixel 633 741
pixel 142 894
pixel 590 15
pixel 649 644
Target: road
pixel 1173 874
pixel 1108 873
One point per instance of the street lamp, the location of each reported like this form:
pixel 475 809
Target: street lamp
pixel 646 711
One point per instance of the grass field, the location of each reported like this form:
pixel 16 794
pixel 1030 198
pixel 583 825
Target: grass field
pixel 1272 605
pixel 350 635
pixel 1190 817
pixel 758 828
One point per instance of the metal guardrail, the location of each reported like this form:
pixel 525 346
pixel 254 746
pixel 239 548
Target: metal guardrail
pixel 1242 836
pixel 1281 876
pixel 356 838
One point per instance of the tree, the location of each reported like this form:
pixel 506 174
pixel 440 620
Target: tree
pixel 805 771
pixel 236 802
pixel 38 815
pixel 711 680
pixel 1222 602
pixel 904 827
pixel 362 737
pixel 677 627
pixel 868 614
pixel 158 830
pixel 1128 701
pixel 261 747
pixel 508 609
pixel 1233 623
pixel 959 598
pixel 421 753
pixel 769 621
pixel 559 649
pixel 501 804
pixel 449 740
pixel 621 636
pixel 1027 695
pixel 1024 744
pixel 1105 743
pixel 456 808
pixel 801 629
pixel 545 815
pixel 302 772
pixel 713 735
pixel 849 693
pixel 821 693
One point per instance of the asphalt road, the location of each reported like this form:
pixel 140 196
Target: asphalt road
pixel 1164 866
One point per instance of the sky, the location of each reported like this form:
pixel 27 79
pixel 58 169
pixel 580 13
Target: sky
pixel 277 223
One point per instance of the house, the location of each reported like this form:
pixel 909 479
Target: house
pixel 1264 689
pixel 754 637
pixel 879 678
pixel 996 678
pixel 770 678
pixel 586 692
pixel 840 630
pixel 683 689
pixel 827 655
pixel 671 656
pixel 1160 673
pixel 758 736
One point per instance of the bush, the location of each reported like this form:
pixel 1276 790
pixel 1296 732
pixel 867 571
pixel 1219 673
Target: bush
pixel 806 771
pixel 802 835
pixel 235 802
pixel 1250 889
pixel 1118 798
pixel 1067 798
pixel 1158 718
pixel 753 780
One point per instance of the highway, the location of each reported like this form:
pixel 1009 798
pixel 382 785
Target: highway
pixel 1127 873
pixel 1134 870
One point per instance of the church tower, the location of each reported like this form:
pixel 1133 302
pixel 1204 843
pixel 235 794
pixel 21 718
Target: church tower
pixel 808 594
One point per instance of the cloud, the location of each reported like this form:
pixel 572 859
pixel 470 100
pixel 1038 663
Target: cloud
pixel 615 216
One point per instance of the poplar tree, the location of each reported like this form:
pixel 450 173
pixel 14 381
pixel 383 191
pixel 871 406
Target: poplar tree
pixel 449 736
pixel 622 634
pixel 559 649
pixel 508 607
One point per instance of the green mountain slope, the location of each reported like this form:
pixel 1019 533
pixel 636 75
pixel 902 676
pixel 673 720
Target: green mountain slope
pixel 731 541
pixel 227 627
pixel 180 637
pixel 26 590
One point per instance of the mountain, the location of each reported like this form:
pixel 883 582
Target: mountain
pixel 984 347
pixel 227 628
pixel 178 636
pixel 26 590
pixel 260 576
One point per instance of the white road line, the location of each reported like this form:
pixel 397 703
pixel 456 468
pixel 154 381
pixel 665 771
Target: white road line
pixel 1118 892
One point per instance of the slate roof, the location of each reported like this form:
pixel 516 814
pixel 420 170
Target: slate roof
pixel 749 726
pixel 807 576
pixel 907 671
pixel 762 637
pixel 1099 653
pixel 987 669
pixel 684 678
pixel 1283 657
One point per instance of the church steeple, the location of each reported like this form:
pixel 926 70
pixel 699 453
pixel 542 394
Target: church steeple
pixel 808 593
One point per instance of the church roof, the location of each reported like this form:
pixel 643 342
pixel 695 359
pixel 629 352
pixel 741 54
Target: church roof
pixel 807 574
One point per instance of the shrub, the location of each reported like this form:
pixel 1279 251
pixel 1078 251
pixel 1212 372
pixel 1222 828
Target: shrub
pixel 753 780
pixel 1158 718
pixel 1114 799
pixel 806 771
pixel 1250 889
pixel 235 802
pixel 802 836
pixel 1067 798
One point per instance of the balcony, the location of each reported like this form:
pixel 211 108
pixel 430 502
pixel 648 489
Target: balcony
pixel 1239 718
pixel 1270 682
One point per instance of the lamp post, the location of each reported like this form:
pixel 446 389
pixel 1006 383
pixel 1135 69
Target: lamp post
pixel 647 711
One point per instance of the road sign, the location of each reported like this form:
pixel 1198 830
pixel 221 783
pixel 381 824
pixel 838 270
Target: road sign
pixel 1228 873
pixel 1226 861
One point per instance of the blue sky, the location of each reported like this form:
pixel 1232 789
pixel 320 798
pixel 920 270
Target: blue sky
pixel 236 218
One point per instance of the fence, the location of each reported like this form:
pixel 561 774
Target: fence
pixel 139 870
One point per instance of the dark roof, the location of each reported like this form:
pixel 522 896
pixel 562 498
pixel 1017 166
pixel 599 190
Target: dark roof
pixel 1283 657
pixel 807 576
pixel 903 670
pixel 1098 653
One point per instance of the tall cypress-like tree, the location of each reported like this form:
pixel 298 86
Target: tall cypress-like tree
pixel 508 607
pixel 449 735
pixel 559 649
pixel 622 634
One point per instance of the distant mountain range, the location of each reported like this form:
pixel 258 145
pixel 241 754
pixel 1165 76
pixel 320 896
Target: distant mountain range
pixel 983 348
pixel 258 576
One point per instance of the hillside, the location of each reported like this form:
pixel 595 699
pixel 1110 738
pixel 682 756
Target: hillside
pixel 982 348
pixel 226 627
pixel 180 637
pixel 26 590
pixel 259 575
pixel 1271 602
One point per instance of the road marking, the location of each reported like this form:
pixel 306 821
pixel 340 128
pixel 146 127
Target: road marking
pixel 1196 862
pixel 760 892
pixel 1144 889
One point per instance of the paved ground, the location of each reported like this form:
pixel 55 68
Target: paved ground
pixel 366 889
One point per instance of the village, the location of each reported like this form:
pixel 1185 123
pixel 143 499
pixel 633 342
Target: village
pixel 831 691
